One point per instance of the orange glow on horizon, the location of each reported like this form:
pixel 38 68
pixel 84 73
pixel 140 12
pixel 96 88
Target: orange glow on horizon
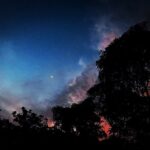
pixel 50 123
pixel 106 127
pixel 104 124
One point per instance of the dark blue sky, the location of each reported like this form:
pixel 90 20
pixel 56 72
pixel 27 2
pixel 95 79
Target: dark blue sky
pixel 44 44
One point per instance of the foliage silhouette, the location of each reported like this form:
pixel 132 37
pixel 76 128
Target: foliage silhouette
pixel 80 120
pixel 28 119
pixel 122 95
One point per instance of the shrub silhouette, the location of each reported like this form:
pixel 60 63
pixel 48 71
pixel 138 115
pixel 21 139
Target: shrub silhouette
pixel 28 119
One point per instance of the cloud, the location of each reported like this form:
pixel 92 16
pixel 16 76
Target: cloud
pixel 9 103
pixel 104 32
pixel 76 89
pixel 82 63
pixel 106 40
pixel 33 94
pixel 114 17
pixel 34 90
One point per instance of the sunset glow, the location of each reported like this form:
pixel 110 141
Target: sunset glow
pixel 50 123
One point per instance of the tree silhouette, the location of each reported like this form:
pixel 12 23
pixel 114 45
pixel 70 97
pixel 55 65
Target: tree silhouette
pixel 28 119
pixel 79 120
pixel 5 124
pixel 122 94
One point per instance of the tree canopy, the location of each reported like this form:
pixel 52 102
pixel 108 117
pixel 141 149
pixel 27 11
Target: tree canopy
pixel 122 94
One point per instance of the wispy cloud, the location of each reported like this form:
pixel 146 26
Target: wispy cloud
pixel 82 63
pixel 104 32
pixel 76 89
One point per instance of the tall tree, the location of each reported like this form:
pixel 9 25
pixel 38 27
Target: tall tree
pixel 122 93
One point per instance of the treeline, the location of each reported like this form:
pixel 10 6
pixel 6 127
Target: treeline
pixel 121 96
